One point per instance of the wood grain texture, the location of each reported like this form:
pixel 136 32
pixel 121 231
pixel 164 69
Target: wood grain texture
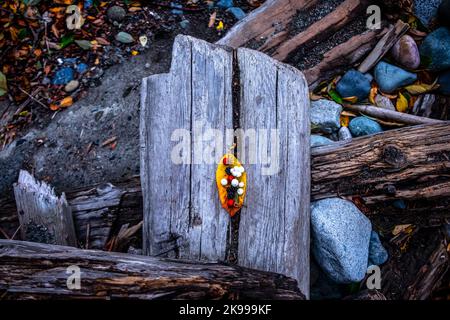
pixel 383 46
pixel 326 26
pixel 182 217
pixel 274 225
pixel 43 216
pixel 338 59
pixel 409 163
pixel 265 22
pixel 36 271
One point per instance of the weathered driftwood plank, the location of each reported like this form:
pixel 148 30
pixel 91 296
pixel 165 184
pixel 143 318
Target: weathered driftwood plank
pixel 182 215
pixel 274 225
pixel 43 216
pixel 331 23
pixel 409 163
pixel 36 271
pixel 265 22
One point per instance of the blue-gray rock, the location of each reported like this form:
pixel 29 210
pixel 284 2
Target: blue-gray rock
pixel 345 134
pixel 63 76
pixel 426 10
pixel 326 115
pixel 116 13
pixel 384 102
pixel 444 13
pixel 237 12
pixel 184 24
pixel 354 84
pixel 377 253
pixel 406 53
pixel 319 141
pixel 444 83
pixel 225 4
pixel 124 37
pixel 435 50
pixel 362 126
pixel 390 77
pixel 340 239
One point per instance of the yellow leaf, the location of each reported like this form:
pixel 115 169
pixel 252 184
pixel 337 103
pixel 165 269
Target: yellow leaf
pixel 220 26
pixel 134 53
pixel 402 228
pixel 373 94
pixel 351 99
pixel 345 120
pixel 402 103
pixel 421 88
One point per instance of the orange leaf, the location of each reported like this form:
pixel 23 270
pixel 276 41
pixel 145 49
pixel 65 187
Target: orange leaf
pixel 345 120
pixel 66 102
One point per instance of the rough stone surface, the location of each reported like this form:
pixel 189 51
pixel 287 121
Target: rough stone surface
pixel 345 134
pixel 68 153
pixel 390 77
pixel 435 50
pixel 384 102
pixel 354 84
pixel 340 239
pixel 319 141
pixel 116 13
pixel 377 253
pixel 325 115
pixel 362 126
pixel 426 10
pixel 406 53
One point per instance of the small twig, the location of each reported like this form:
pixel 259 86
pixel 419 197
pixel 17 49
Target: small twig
pixel 385 114
pixel 15 233
pixel 33 98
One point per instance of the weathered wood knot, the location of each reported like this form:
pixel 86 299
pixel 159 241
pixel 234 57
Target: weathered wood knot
pixel 395 157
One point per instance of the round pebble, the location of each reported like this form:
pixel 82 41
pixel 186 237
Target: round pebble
pixel 116 13
pixel 72 86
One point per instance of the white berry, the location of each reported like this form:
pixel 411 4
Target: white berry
pixel 241 169
pixel 238 174
pixel 241 185
pixel 235 183
pixel 240 192
pixel 224 182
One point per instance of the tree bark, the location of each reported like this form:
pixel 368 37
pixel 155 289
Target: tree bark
pixel 408 163
pixel 38 271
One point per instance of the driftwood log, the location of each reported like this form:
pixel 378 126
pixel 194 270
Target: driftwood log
pixel 43 216
pixel 409 163
pixel 39 271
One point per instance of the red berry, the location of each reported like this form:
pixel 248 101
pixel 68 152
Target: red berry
pixel 225 161
pixel 230 202
pixel 230 178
